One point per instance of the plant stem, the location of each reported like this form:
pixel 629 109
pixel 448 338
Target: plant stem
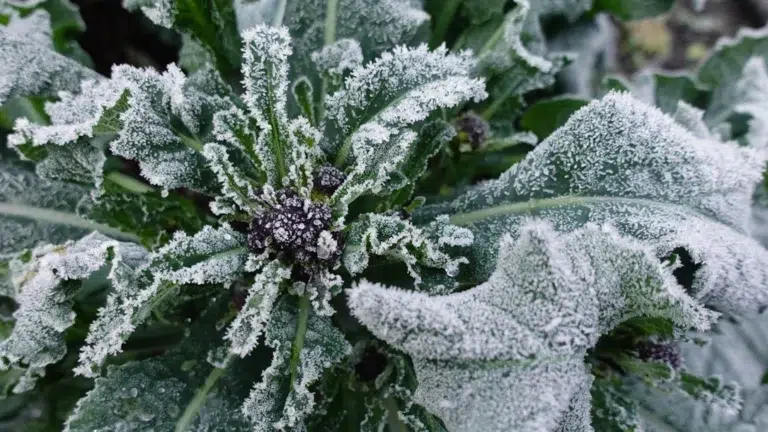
pixel 331 15
pixel 186 419
pixel 127 182
pixel 62 218
pixel 538 204
pixel 444 19
pixel 301 332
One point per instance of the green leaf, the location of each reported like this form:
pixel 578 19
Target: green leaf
pixel 34 211
pixel 634 9
pixel 432 137
pixel 510 68
pixel 605 165
pixel 479 11
pixel 544 117
pixel 553 295
pixel 210 23
pixel 67 26
pixel 613 411
pixel 669 89
pixel 188 388
pixel 214 25
pixel 304 346
pixel 265 70
pixel 46 284
pixel 149 215
pixel 28 68
pixel 211 256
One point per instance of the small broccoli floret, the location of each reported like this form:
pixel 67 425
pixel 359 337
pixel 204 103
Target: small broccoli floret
pixel 295 226
pixel 475 128
pixel 661 352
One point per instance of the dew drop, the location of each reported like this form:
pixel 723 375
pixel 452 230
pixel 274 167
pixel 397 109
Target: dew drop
pixel 173 410
pixel 134 392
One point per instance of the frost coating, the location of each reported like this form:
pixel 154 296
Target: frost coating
pixel 35 210
pixel 621 162
pixel 213 255
pixel 270 405
pixel 393 237
pixel 342 56
pixel 548 301
pixel 28 68
pixel 245 331
pixel 377 25
pixel 45 289
pixel 397 90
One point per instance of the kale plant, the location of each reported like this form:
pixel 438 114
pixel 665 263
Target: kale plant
pixel 379 215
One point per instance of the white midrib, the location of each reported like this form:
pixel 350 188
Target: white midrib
pixel 538 204
pixel 61 218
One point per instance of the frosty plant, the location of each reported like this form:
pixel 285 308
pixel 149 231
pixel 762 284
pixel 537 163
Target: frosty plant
pixel 242 244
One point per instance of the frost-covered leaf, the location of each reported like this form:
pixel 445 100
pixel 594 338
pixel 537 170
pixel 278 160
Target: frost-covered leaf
pixel 395 91
pixel 508 354
pixel 509 66
pixel 35 210
pixel 34 27
pixel 416 247
pixel 46 282
pixel 184 389
pixel 613 411
pixel 368 120
pixel 335 60
pixel 304 346
pixel 744 97
pixel 152 217
pixel 160 120
pixel 245 331
pixel 376 25
pixel 212 256
pixel 624 163
pixel 28 68
pixel 265 71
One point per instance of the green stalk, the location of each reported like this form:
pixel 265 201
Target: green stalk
pixel 186 419
pixel 127 182
pixel 62 218
pixel 331 15
pixel 301 332
pixel 443 21
pixel 538 204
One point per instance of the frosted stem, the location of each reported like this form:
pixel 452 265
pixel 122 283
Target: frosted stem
pixel 202 393
pixel 301 331
pixel 129 183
